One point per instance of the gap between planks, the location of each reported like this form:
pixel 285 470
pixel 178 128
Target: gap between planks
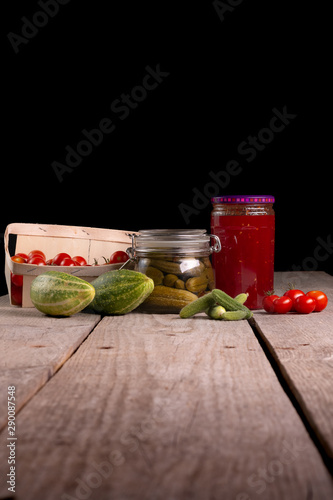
pixel 280 337
pixel 283 380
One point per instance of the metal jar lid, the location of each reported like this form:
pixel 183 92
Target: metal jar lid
pixel 174 241
pixel 243 199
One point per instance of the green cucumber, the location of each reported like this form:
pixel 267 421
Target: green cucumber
pixel 234 315
pixel 230 304
pixel 215 312
pixel 60 294
pixel 202 304
pixel 120 292
pixel 241 298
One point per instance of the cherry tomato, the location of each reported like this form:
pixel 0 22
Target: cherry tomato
pixel 282 305
pixel 48 262
pixel 59 257
pixel 304 304
pixel 267 302
pixel 37 260
pixel 16 294
pixel 67 261
pixel 16 279
pixel 293 294
pixel 118 257
pixel 18 259
pixel 320 298
pixel 33 253
pixel 23 255
pixel 80 260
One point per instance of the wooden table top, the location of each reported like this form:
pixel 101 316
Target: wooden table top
pixel 155 407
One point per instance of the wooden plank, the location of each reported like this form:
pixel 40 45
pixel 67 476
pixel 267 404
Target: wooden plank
pixel 156 407
pixel 33 347
pixel 302 346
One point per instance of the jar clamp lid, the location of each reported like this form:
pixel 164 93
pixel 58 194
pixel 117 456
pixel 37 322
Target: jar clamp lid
pixel 243 199
pixel 173 241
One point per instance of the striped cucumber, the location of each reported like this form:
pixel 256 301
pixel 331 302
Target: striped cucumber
pixel 120 291
pixel 60 294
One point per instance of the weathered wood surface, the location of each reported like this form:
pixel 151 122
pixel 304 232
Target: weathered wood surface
pixel 33 347
pixel 153 407
pixel 302 345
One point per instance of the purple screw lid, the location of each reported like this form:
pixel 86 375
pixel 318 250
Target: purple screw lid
pixel 243 199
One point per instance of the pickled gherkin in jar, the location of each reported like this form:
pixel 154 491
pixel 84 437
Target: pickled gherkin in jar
pixel 179 264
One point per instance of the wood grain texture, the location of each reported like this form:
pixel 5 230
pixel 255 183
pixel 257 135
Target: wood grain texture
pixel 302 345
pixel 153 407
pixel 33 347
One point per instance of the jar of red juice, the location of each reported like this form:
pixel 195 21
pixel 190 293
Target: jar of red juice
pixel 245 226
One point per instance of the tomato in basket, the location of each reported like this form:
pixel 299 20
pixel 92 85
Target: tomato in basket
pixel 80 260
pixel 37 260
pixel 18 259
pixel 67 261
pixel 118 257
pixel 22 255
pixel 16 294
pixel 35 253
pixel 57 259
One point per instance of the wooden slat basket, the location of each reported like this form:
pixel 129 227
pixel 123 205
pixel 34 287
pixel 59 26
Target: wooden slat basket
pixel 91 243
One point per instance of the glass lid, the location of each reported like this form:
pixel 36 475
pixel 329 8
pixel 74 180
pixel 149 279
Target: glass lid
pixel 174 240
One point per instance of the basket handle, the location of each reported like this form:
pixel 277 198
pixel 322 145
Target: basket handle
pixel 59 231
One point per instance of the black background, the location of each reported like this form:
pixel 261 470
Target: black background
pixel 226 73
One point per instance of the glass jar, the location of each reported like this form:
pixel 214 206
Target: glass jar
pixel 178 262
pixel 245 226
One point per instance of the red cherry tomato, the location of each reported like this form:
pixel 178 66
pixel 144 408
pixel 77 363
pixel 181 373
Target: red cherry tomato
pixel 320 299
pixel 18 259
pixel 59 257
pixel 80 260
pixel 23 255
pixel 68 262
pixel 16 294
pixel 34 253
pixel 304 304
pixel 282 305
pixel 16 279
pixel 37 260
pixel 293 294
pixel 267 302
pixel 48 262
pixel 118 257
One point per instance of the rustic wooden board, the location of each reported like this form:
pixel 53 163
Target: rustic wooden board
pixel 33 347
pixel 153 407
pixel 302 345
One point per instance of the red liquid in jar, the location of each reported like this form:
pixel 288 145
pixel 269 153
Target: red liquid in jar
pixel 246 260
